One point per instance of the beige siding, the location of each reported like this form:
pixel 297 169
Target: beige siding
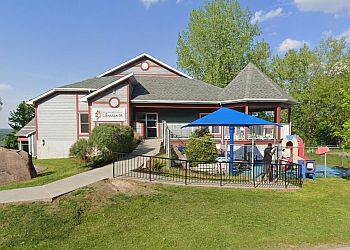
pixel 102 101
pixel 154 69
pixel 57 125
pixel 82 105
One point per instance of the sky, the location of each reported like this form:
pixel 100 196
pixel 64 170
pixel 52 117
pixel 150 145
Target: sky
pixel 46 43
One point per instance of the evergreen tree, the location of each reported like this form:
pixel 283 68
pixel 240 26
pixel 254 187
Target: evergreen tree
pixel 17 120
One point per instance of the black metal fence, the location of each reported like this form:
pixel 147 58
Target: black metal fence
pixel 246 174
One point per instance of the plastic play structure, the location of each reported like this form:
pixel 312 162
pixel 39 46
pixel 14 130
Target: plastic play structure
pixel 293 151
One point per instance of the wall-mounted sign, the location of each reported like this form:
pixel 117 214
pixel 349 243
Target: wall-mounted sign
pixel 114 102
pixel 108 115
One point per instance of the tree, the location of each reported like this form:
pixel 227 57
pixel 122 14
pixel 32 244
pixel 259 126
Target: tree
pixel 17 120
pixel 21 116
pixel 314 78
pixel 219 43
pixel 295 73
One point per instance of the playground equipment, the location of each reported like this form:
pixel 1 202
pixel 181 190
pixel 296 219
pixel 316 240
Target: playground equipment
pixel 293 151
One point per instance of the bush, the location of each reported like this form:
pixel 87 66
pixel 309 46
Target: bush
pixel 82 149
pixel 110 139
pixel 200 147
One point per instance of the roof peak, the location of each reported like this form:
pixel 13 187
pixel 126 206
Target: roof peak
pixel 251 82
pixel 144 54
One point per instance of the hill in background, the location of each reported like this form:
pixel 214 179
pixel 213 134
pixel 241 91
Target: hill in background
pixel 3 133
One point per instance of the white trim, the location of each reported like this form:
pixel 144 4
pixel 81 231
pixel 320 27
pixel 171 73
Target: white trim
pixel 30 133
pixel 174 101
pixel 255 100
pixel 150 57
pixel 31 102
pixel 211 102
pixel 85 98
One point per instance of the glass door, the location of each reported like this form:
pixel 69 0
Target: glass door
pixel 151 125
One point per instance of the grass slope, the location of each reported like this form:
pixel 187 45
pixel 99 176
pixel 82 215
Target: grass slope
pixel 56 169
pixel 174 217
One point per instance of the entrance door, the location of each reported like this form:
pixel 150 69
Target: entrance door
pixel 151 125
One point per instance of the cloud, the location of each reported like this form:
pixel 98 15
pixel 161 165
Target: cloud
pixel 327 33
pixel 148 3
pixel 326 6
pixel 179 1
pixel 345 35
pixel 289 43
pixel 5 87
pixel 260 16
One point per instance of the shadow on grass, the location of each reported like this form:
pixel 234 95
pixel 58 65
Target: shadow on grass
pixel 45 173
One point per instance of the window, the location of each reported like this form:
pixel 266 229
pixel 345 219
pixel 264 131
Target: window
pixel 212 129
pixel 84 123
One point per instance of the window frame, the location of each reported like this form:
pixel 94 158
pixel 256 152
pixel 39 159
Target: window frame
pixel 80 123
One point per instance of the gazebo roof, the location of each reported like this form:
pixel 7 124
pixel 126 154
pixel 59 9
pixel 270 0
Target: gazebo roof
pixel 252 84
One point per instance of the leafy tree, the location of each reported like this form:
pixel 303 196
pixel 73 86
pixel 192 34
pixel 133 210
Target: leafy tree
pixel 295 73
pixel 219 43
pixel 21 116
pixel 314 78
pixel 17 120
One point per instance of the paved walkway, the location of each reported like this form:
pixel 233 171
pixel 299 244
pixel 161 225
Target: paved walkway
pixel 52 190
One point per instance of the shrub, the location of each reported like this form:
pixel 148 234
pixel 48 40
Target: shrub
pixel 82 149
pixel 155 164
pixel 110 139
pixel 200 147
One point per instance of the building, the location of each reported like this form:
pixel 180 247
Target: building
pixel 146 93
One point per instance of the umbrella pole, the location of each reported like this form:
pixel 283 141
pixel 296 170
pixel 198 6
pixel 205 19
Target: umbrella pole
pixel 232 131
pixel 325 165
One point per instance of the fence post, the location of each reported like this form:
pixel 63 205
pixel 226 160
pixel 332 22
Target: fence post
pixel 186 169
pixel 253 169
pixel 150 168
pixel 113 168
pixel 285 176
pixel 220 173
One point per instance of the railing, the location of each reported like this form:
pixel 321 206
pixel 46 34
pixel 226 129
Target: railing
pixel 259 132
pixel 152 168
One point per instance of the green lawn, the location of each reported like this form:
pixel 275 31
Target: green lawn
pixel 178 217
pixel 56 169
pixel 335 158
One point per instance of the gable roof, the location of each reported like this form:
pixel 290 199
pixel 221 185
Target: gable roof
pixel 100 90
pixel 28 129
pixel 149 57
pixel 92 83
pixel 251 84
pixel 173 89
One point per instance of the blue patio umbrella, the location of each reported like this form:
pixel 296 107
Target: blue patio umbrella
pixel 231 118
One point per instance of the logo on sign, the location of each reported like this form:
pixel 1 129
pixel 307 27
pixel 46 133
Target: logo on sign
pixel 109 114
pixel 97 115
